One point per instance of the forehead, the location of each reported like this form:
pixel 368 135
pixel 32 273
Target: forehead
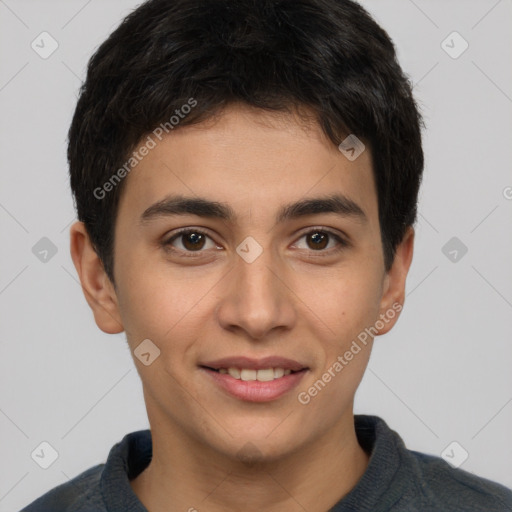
pixel 252 159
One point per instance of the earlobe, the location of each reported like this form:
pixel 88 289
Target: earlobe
pixel 394 283
pixel 96 285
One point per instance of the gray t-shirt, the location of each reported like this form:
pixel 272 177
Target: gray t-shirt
pixel 396 480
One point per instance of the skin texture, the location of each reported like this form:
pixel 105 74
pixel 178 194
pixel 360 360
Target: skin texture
pixel 210 450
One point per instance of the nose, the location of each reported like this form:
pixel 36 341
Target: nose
pixel 257 298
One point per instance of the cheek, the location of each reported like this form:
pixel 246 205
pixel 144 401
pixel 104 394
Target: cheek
pixel 152 301
pixel 346 303
pixel 350 306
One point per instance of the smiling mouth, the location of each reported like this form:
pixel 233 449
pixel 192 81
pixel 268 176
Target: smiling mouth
pixel 248 374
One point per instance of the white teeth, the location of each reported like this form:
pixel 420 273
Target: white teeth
pixel 247 374
pixel 278 372
pixel 234 372
pixel 265 375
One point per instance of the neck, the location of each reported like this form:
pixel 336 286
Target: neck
pixel 184 475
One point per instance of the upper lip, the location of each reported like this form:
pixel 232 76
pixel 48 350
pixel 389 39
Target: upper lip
pixel 255 364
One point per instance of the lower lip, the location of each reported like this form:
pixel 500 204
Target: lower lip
pixel 254 390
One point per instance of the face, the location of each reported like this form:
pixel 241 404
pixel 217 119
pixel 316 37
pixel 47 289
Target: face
pixel 251 277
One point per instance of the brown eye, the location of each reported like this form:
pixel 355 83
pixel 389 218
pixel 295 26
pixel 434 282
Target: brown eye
pixel 190 241
pixel 193 241
pixel 322 241
pixel 319 240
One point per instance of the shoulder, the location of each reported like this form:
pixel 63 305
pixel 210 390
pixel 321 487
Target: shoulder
pixel 105 486
pixel 80 494
pixel 411 481
pixel 446 488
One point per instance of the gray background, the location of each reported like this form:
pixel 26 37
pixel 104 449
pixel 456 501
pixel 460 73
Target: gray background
pixel 442 375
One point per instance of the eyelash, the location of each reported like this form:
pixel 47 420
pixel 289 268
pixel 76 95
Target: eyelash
pixel 342 243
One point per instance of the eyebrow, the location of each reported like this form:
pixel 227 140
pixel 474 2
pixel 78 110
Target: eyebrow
pixel 202 207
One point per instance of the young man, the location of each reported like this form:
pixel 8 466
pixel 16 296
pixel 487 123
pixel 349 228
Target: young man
pixel 246 177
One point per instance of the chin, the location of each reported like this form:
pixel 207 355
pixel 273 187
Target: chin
pixel 259 446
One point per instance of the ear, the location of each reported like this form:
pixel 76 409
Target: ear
pixel 393 294
pixel 96 285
